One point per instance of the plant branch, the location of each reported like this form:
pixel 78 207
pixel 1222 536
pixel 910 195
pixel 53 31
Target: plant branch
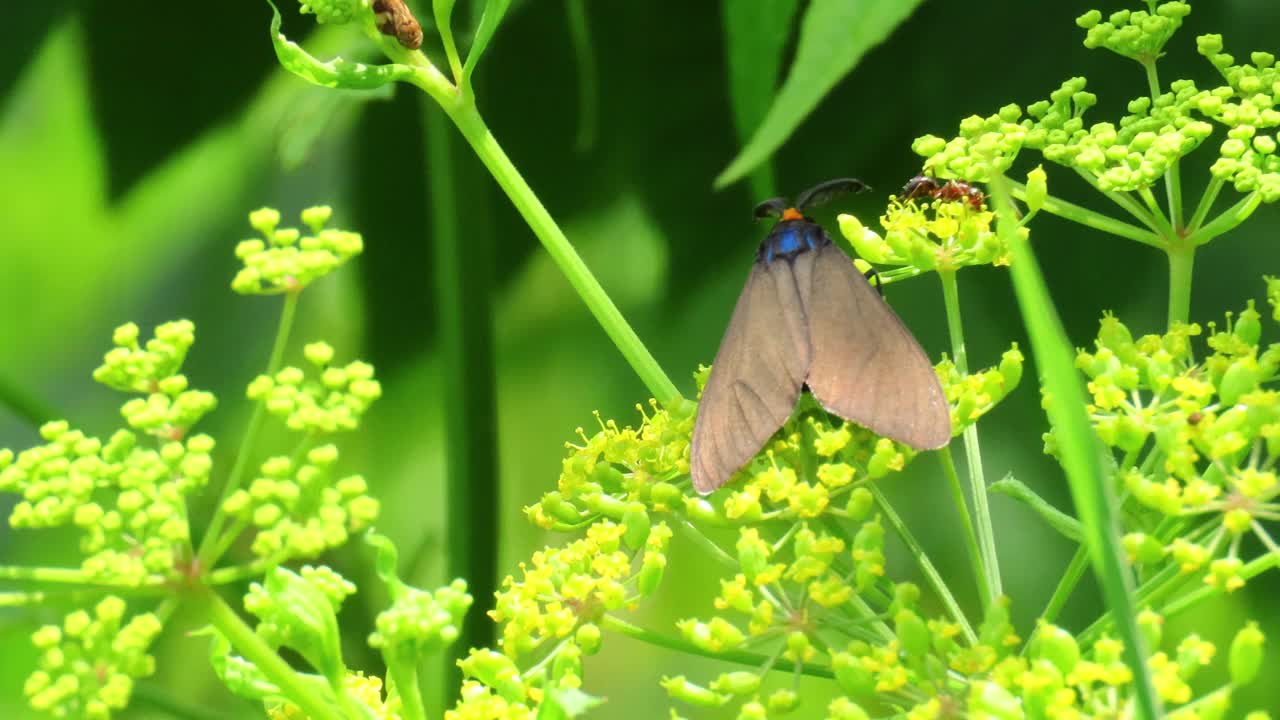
pixel 927 567
pixel 208 553
pixel 609 622
pixel 970 537
pixel 973 450
pixel 1091 218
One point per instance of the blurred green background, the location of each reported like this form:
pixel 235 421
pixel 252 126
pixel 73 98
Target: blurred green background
pixel 134 139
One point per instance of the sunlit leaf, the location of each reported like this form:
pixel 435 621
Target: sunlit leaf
pixel 834 35
pixel 493 12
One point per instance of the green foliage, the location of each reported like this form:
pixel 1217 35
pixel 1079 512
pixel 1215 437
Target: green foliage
pixel 1168 446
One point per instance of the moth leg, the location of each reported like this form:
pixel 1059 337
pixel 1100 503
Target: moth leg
pixel 873 277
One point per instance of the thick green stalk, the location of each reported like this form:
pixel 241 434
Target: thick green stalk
pixel 254 649
pixel 468 120
pixel 927 568
pixel 970 537
pixel 208 555
pixel 972 449
pixel 466 347
pixel 1182 257
pixel 1079 450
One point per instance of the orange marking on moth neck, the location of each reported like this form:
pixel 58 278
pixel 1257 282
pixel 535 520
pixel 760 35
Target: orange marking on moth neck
pixel 792 214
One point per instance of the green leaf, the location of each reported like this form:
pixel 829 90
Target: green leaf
pixel 1078 445
pixel 334 73
pixel 756 33
pixel 565 704
pixel 1066 525
pixel 493 12
pixel 834 36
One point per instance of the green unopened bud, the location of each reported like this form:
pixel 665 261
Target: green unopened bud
pixel 845 709
pixel 1037 189
pixel 1056 645
pixel 680 688
pixel 912 633
pixel 852 677
pixel 737 683
pixel 1246 654
pixel 783 700
pixel 636 522
pixel 588 638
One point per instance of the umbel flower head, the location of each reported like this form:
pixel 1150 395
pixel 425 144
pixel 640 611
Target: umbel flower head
pixel 1212 418
pixel 88 664
pixel 301 510
pixel 127 496
pixel 1135 152
pixel 286 261
pixel 335 401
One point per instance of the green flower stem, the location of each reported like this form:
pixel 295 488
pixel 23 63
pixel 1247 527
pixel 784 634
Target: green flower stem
pixel 467 118
pixel 927 568
pixel 973 450
pixel 257 651
pixel 1228 220
pixel 715 551
pixel 24 405
pixel 1125 202
pixel 1079 450
pixel 207 555
pixel 1092 218
pixel 1165 226
pixel 1182 258
pixel 70 576
pixel 1172 176
pixel 1206 203
pixel 970 537
pixel 1249 571
pixel 1067 585
pixel 609 622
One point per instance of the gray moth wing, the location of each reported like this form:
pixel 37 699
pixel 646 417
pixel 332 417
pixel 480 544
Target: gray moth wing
pixel 758 372
pixel 867 367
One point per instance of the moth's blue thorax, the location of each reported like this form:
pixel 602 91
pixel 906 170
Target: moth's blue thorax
pixel 789 238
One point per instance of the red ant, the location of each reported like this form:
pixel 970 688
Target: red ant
pixel 949 191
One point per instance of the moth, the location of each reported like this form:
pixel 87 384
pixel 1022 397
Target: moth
pixel 807 318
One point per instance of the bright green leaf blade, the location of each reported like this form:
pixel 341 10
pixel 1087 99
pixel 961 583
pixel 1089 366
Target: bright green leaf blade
pixel 755 34
pixel 834 35
pixel 493 12
pixel 1078 446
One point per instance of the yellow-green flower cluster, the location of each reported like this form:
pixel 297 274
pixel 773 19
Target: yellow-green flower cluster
pixel 364 690
pixel 1138 150
pixel 169 408
pixel 1136 34
pixel 419 622
pixel 128 501
pixel 286 261
pixel 927 668
pixel 808 466
pixel 1247 106
pixel 478 701
pixel 300 510
pixel 564 591
pixel 940 235
pixel 333 402
pixel 88 665
pixel 1211 431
